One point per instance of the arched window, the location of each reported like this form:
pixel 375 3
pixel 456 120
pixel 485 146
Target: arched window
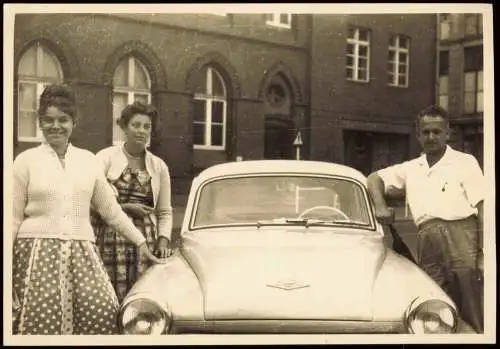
pixel 131 82
pixel 37 68
pixel 210 111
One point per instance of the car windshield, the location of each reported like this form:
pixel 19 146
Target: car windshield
pixel 291 199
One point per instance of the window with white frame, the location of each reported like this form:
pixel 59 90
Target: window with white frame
pixel 399 61
pixel 444 20
pixel 358 55
pixel 283 20
pixel 37 68
pixel 443 79
pixel 131 82
pixel 473 79
pixel 473 24
pixel 209 111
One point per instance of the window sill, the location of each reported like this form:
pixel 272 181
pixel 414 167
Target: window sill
pixel 398 86
pixel 366 82
pixel 208 147
pixel 279 25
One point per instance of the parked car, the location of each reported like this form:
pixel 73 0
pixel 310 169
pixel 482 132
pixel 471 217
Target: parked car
pixel 285 246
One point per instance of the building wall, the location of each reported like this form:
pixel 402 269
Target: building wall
pixel 173 49
pixel 311 56
pixel 337 103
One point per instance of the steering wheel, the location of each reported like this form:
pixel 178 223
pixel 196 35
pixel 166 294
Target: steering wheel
pixel 334 209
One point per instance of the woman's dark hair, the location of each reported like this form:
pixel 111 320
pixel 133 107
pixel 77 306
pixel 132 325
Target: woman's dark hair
pixel 59 96
pixel 138 107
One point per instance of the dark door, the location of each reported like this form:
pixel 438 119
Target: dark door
pixel 278 139
pixel 358 150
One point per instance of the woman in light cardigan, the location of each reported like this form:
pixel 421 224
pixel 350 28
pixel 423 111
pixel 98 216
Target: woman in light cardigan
pixel 142 183
pixel 60 284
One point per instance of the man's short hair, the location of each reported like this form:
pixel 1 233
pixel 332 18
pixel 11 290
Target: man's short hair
pixel 435 111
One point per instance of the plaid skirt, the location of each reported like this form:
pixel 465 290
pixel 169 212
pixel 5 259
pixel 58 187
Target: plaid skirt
pixel 121 258
pixel 61 287
pixel 447 251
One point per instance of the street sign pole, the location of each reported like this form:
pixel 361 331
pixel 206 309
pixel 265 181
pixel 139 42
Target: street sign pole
pixel 297 143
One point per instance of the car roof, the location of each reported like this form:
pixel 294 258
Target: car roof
pixel 280 166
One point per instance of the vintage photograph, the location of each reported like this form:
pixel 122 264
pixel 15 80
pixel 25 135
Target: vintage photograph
pixel 202 172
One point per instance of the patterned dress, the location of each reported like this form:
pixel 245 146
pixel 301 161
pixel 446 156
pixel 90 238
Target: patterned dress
pixel 120 257
pixel 62 288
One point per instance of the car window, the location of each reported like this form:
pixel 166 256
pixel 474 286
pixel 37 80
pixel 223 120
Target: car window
pixel 243 200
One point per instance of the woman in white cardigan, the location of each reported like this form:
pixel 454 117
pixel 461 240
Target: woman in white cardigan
pixel 142 184
pixel 60 284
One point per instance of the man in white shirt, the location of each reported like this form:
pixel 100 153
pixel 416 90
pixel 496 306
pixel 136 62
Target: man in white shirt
pixel 444 190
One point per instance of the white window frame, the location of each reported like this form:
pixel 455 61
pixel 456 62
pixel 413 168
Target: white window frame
pixel 40 84
pixel 131 92
pixel 395 73
pixel 208 98
pixel 444 25
pixel 357 43
pixel 276 22
pixel 478 92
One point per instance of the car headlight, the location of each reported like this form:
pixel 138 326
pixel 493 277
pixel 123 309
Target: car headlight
pixel 143 316
pixel 431 316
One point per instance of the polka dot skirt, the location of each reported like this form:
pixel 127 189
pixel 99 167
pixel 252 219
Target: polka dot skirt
pixel 63 288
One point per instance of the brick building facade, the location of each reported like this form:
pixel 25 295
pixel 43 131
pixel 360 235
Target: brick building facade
pixel 237 84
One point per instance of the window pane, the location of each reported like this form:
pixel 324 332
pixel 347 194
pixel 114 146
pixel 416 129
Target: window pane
pixel 363 51
pixel 284 18
pixel 141 98
pixel 402 80
pixel 27 96
pixel 27 124
pixel 473 57
pixel 362 74
pixel 391 78
pixel 217 111
pixel 199 110
pixel 403 42
pixel 119 103
pixel 199 133
pixel 392 56
pixel 391 67
pixel 27 65
pixel 50 66
pixel 350 73
pixel 349 61
pixel 217 135
pixel 444 30
pixel 443 102
pixel 363 35
pixel 350 49
pixel 470 81
pixel 480 81
pixel 443 85
pixel 217 85
pixel 140 76
pixel 402 69
pixel 363 63
pixel 120 79
pixel 479 107
pixel 444 59
pixel 402 57
pixel 470 24
pixel 469 101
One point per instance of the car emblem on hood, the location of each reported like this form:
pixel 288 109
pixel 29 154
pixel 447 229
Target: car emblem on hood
pixel 288 285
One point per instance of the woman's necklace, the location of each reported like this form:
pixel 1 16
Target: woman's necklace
pixel 134 157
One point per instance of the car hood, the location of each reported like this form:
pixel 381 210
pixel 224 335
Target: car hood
pixel 307 273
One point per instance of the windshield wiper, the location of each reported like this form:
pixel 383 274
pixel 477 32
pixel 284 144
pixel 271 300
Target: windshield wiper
pixel 303 221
